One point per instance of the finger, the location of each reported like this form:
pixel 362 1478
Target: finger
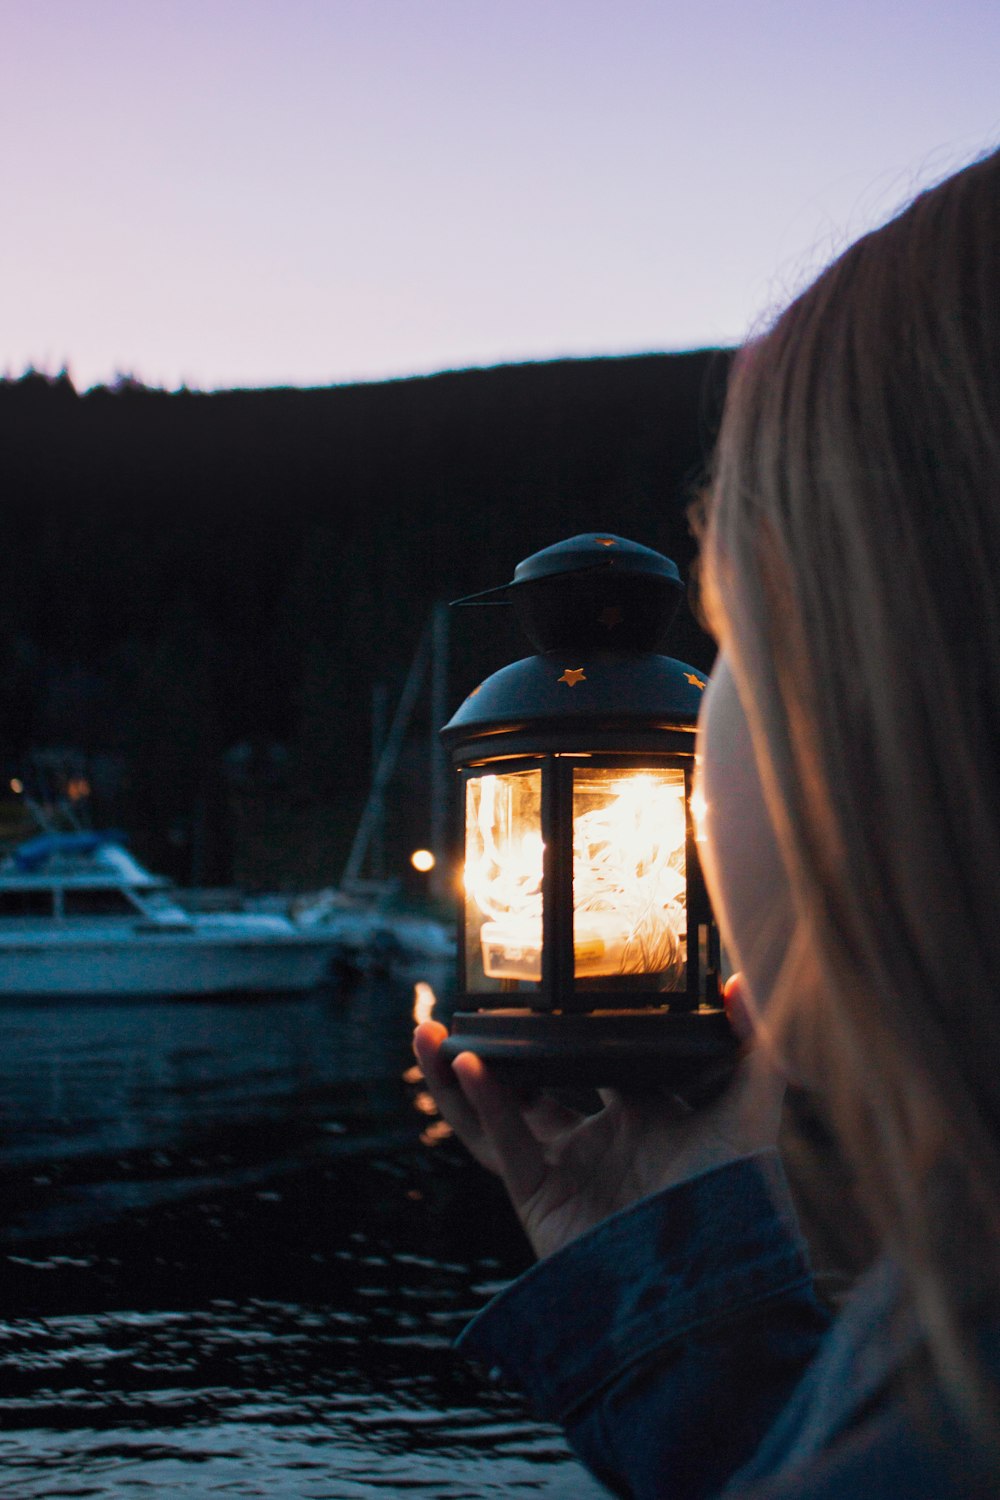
pixel 442 1082
pixel 448 1096
pixel 427 1040
pixel 737 1007
pixel 549 1118
pixel 519 1155
pixel 428 1036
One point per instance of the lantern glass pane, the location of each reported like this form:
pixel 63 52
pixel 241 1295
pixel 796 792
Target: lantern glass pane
pixel 503 881
pixel 630 878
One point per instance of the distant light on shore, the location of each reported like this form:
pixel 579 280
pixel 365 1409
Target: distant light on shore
pixel 422 860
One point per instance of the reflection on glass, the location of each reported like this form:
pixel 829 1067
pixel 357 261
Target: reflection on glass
pixel 424 1001
pixel 629 876
pixel 503 880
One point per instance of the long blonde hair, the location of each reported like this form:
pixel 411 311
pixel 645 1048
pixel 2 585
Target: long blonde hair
pixel 852 567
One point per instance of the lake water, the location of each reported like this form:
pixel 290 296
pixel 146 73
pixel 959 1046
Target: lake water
pixel 237 1243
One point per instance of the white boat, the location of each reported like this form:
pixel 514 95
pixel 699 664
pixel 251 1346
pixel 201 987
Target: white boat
pixel 368 937
pixel 79 916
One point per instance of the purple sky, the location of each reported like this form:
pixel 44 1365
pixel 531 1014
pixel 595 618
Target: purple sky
pixel 253 192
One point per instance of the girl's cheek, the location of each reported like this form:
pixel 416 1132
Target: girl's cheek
pixel 743 867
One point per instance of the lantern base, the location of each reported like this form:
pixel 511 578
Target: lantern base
pixel 688 1052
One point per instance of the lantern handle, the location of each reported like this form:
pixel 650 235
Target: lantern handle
pixel 501 595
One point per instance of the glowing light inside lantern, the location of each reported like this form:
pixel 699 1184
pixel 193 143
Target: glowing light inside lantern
pixel 422 860
pixel 629 875
pixel 503 875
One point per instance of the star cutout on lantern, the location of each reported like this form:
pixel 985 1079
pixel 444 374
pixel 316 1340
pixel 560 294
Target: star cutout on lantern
pixel 572 676
pixel 694 681
pixel 610 617
pixel 604 541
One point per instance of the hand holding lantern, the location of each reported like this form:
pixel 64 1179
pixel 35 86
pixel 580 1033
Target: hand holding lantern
pixel 565 1171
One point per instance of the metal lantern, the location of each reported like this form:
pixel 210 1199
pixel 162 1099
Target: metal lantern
pixel 588 952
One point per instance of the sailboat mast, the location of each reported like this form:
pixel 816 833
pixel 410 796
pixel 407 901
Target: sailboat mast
pixel 438 759
pixel 432 652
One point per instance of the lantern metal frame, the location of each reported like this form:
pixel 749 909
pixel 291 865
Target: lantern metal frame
pixel 564 1028
pixel 637 711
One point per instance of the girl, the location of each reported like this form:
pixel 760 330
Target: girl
pixel 850 750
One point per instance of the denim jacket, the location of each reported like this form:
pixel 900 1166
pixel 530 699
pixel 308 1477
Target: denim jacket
pixel 683 1347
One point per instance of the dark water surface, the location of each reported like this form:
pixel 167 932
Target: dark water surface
pixel 236 1245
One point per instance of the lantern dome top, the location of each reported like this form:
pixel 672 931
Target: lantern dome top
pixel 577 554
pixel 596 608
pixel 596 549
pixel 596 589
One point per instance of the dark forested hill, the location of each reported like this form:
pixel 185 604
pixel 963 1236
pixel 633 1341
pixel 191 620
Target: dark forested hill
pixel 198 592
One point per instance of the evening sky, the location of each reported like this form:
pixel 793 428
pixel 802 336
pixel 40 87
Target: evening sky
pixel 257 192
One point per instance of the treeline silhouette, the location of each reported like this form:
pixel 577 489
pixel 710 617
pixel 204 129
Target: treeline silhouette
pixel 198 592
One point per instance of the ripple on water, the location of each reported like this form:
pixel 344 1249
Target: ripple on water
pixel 245 1256
pixel 120 1404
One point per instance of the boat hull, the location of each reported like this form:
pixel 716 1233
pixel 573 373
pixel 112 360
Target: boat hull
pixel 169 963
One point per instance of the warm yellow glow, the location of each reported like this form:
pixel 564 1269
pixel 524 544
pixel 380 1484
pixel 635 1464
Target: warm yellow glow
pixel 422 860
pixel 629 875
pixel 16 786
pixel 699 814
pixel 506 877
pixel 424 1001
pixel 503 873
